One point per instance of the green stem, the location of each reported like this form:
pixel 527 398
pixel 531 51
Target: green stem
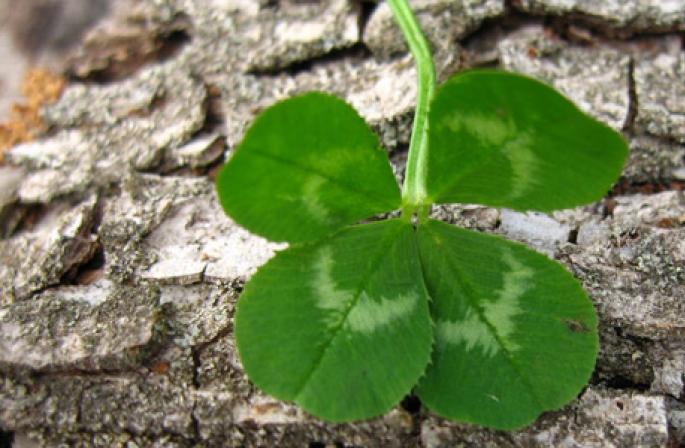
pixel 414 195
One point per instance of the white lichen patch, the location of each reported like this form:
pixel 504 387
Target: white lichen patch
pixel 300 31
pixel 266 411
pixel 94 295
pixel 491 328
pixel 178 263
pixel 370 315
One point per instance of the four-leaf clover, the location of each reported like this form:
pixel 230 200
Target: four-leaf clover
pixel 353 316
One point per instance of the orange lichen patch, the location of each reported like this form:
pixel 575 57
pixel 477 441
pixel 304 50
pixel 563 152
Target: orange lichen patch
pixel 160 368
pixel 39 87
pixel 42 86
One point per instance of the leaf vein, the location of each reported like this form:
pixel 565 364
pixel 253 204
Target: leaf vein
pixel 373 266
pixel 378 201
pixel 472 301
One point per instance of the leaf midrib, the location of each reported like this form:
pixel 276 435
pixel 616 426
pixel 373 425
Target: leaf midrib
pixel 472 302
pixel 373 266
pixel 455 180
pixel 376 200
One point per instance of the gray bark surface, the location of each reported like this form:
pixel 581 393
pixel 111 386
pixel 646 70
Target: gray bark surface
pixel 119 272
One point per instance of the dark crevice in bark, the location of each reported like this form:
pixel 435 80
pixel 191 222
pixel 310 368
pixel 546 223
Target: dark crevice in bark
pixel 87 272
pixel 366 8
pixel 624 187
pixel 480 46
pixel 197 351
pixel 199 348
pixel 6 439
pixel 357 51
pixel 622 383
pixel 573 29
pixel 594 23
pixel 213 125
pixel 91 268
pixel 195 424
pixel 196 357
pixel 214 115
pixel 32 214
pixel 197 363
pixel 337 444
pixel 629 125
pixel 165 43
pixel 79 407
pixel 412 404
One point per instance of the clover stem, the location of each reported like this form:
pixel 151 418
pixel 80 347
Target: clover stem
pixel 414 195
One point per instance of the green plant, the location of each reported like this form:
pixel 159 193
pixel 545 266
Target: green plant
pixel 351 317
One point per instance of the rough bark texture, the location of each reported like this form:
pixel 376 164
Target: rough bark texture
pixel 119 272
